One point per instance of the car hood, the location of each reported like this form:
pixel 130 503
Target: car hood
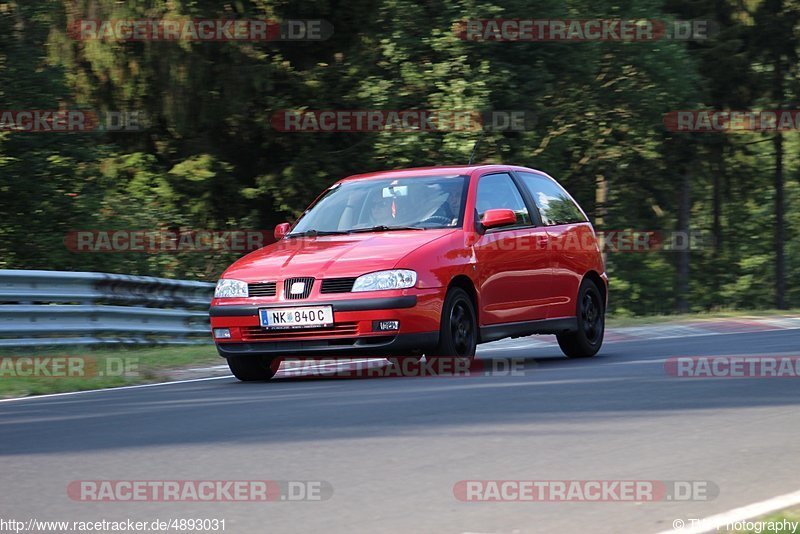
pixel 331 256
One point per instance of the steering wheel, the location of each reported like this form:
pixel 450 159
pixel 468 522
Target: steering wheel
pixel 437 219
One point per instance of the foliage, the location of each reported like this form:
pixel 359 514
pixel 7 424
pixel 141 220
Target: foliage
pixel 210 159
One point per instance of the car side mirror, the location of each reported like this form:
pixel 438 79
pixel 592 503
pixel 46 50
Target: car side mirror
pixel 498 217
pixel 281 230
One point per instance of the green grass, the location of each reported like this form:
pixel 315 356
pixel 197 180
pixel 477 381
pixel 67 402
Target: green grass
pixel 617 322
pixel 777 518
pixel 143 365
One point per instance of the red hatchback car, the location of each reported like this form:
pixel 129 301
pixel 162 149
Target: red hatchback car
pixel 426 261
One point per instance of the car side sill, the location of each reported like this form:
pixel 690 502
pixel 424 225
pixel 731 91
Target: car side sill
pixel 527 328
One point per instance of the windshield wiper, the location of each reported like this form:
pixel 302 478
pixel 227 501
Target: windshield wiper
pixel 314 233
pixel 384 228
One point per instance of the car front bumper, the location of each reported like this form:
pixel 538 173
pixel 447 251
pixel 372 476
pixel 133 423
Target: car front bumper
pixel 352 333
pixel 377 346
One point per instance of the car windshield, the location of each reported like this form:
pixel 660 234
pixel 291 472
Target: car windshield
pixel 375 205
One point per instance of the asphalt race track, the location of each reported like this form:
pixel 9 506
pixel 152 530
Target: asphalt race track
pixel 393 448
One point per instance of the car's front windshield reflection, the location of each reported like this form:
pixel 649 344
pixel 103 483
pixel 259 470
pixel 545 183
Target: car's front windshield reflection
pixel 386 204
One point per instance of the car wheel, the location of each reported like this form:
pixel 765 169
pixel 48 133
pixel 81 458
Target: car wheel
pixel 458 333
pixel 253 368
pixel 591 315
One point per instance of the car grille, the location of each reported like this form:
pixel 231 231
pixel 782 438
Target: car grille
pixel 257 333
pixel 337 285
pixel 262 289
pixel 308 283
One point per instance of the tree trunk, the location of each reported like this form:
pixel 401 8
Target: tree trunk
pixel 684 215
pixel 780 260
pixel 717 201
pixel 601 209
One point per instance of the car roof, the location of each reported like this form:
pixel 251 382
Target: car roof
pixel 433 171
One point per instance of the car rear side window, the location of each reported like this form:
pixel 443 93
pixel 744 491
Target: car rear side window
pixel 498 191
pixel 554 203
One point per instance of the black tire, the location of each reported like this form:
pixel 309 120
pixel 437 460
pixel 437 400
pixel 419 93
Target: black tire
pixel 253 368
pixel 458 331
pixel 591 315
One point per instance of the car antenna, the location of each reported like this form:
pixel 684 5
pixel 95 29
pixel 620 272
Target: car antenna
pixel 475 148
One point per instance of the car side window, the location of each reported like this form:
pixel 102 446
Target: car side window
pixel 554 203
pixel 498 191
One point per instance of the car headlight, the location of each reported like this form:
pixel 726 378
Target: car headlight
pixel 227 288
pixel 394 279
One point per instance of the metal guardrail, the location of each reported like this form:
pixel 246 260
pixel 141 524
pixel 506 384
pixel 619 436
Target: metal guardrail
pixel 39 308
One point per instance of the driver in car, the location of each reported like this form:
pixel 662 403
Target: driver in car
pixel 450 207
pixel 381 212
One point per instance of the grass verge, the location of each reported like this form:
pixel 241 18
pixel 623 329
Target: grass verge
pixel 777 523
pixel 82 368
pixel 619 322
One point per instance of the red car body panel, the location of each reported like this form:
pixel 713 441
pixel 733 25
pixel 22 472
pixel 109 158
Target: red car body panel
pixel 331 256
pixel 520 275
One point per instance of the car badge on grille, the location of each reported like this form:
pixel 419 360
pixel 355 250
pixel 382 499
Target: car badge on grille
pixel 297 288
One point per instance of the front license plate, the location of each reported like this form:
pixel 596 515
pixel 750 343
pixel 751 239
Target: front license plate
pixel 304 317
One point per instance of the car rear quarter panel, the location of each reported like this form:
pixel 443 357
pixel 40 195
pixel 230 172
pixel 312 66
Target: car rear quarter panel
pixel 576 252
